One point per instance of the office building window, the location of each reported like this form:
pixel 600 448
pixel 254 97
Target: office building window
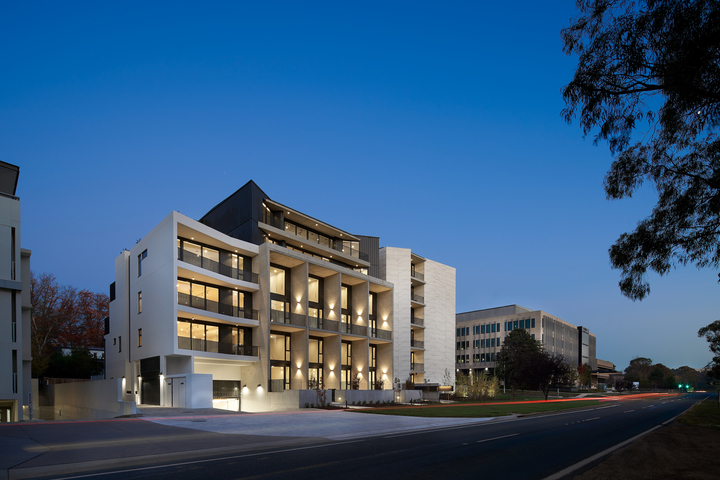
pixel 139 337
pixel 141 257
pixel 533 323
pixel 139 302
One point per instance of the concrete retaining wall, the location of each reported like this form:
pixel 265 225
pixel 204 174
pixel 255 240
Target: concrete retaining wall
pixel 90 400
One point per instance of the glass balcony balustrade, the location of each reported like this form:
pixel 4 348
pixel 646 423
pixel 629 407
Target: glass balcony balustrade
pixel 200 345
pixel 207 264
pixel 216 307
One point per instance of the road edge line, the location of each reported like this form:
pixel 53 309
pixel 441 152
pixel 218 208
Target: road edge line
pixel 572 468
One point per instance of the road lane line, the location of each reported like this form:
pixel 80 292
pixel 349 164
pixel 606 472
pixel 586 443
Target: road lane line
pixel 589 419
pixel 628 411
pixel 572 468
pixel 497 438
pixel 215 459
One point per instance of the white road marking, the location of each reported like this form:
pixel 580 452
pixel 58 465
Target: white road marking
pixel 497 438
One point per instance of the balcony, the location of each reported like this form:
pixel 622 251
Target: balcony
pixel 279 316
pixel 213 266
pixel 417 298
pixel 417 275
pixel 308 236
pixel 417 343
pixel 381 334
pixel 199 345
pixel 216 307
pixel 353 329
pixel 277 385
pixel 323 324
pixel 417 321
pixel 417 367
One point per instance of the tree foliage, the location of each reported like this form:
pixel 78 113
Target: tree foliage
pixel 544 371
pixel 584 374
pixel 653 62
pixel 712 335
pixel 80 363
pixel 62 316
pixel 639 369
pixel 517 347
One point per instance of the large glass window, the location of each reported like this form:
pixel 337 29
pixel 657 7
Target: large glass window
pixel 277 281
pixel 315 348
pixel 279 378
pixel 313 290
pixel 346 354
pixel 343 297
pixel 279 347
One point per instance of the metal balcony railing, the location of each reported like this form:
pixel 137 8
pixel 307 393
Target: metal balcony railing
pixel 205 263
pixel 277 385
pixel 323 324
pixel 417 298
pixel 417 321
pixel 353 329
pixel 201 345
pixel 417 367
pixel 271 220
pixel 381 334
pixel 417 343
pixel 279 316
pixel 216 307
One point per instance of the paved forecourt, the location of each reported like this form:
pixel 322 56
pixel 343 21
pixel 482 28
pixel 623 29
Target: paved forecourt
pixel 330 424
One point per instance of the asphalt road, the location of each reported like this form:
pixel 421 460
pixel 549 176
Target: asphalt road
pixel 525 448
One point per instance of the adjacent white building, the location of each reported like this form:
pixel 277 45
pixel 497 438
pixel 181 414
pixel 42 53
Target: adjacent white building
pixel 424 306
pixel 15 352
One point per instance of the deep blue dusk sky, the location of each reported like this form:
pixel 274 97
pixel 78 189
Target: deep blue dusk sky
pixel 435 127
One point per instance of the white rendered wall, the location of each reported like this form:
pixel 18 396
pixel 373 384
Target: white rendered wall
pixel 395 265
pixel 439 321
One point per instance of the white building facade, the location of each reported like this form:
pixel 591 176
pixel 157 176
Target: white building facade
pixel 424 306
pixel 15 351
pixel 256 304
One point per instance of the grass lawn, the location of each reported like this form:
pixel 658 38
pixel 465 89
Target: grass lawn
pixel 474 410
pixel 705 414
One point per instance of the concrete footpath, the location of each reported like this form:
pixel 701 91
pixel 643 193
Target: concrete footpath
pixel 34 449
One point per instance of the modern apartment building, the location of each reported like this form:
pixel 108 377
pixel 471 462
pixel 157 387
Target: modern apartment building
pixel 255 303
pixel 480 334
pixel 15 354
pixel 424 313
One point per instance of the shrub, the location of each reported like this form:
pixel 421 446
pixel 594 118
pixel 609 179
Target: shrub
pixel 307 405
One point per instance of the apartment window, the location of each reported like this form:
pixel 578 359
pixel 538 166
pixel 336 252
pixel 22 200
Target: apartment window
pixel 141 257
pixel 344 297
pixel 313 290
pixel 14 372
pixel 13 317
pixel 139 337
pixel 12 253
pixel 139 302
pixel 114 341
pixel 277 281
pixel 119 344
